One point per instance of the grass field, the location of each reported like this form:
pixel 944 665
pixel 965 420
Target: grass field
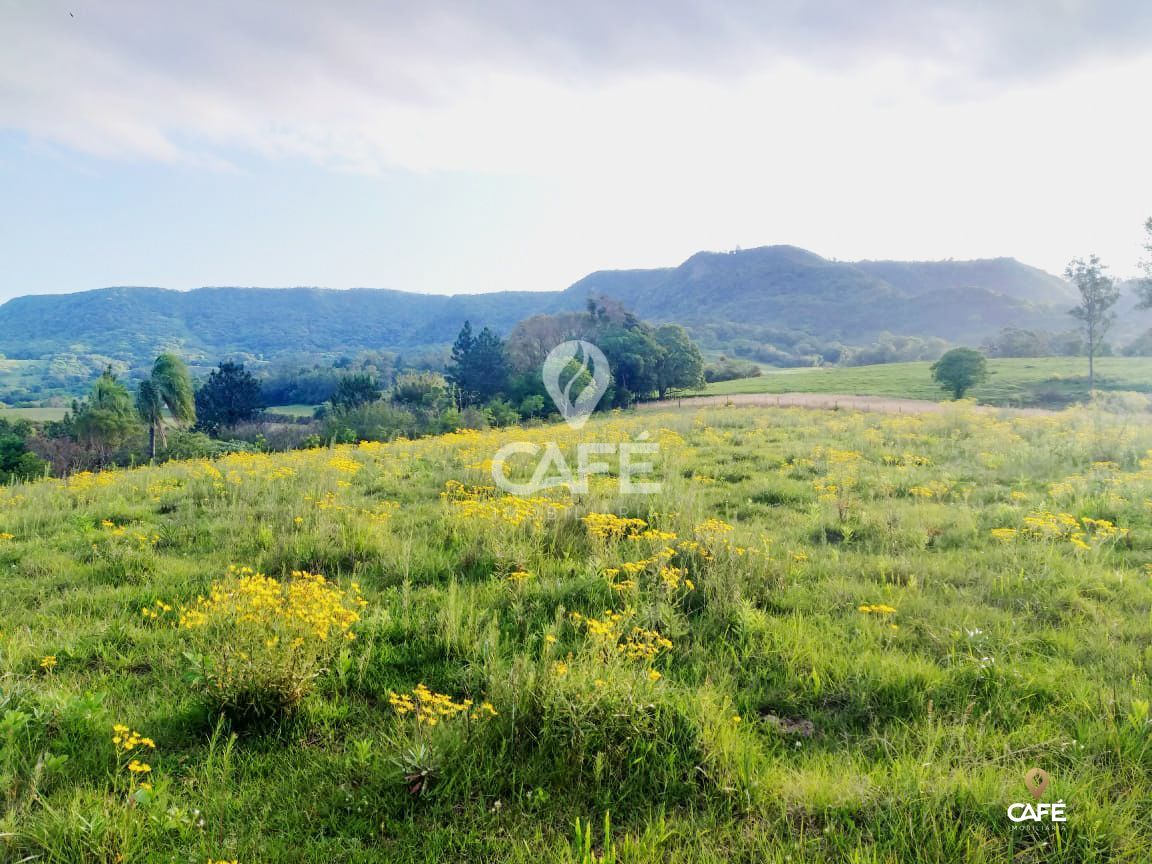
pixel 832 637
pixel 292 410
pixel 1022 382
pixel 35 414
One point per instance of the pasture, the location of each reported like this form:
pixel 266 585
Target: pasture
pixel 832 636
pixel 1044 382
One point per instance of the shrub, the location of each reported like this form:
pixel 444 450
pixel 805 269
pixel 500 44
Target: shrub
pixel 261 643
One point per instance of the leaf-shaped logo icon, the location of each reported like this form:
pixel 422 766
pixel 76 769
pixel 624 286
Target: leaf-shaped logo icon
pixel 577 366
pixel 1037 781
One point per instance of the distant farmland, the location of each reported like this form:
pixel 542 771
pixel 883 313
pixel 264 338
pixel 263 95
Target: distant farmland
pixel 1043 382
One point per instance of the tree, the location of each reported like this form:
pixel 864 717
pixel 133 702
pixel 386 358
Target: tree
pixel 633 356
pixel 106 418
pixel 168 387
pixel 478 367
pixel 420 390
pixel 457 370
pixel 490 366
pixel 1098 294
pixel 680 366
pixel 230 395
pixel 959 370
pixel 1144 286
pixel 16 461
pixel 355 390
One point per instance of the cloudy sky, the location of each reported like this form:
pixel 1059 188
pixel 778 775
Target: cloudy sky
pixel 519 144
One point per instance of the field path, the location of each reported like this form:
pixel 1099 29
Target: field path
pixel 883 404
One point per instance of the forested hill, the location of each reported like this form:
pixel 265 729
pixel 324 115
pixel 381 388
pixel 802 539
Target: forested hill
pixel 779 287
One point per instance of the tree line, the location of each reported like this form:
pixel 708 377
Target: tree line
pixel 486 381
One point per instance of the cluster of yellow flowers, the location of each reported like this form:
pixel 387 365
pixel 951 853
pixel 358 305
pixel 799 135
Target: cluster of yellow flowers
pixel 644 645
pixel 1083 532
pixel 932 489
pixel 669 577
pixel 607 627
pixel 125 739
pixel 307 604
pixel 609 526
pixel 485 503
pixel 327 501
pixel 156 610
pixel 608 631
pixel 673 578
pixel 128 742
pixel 344 464
pixel 903 460
pixel 832 456
pixel 430 708
pixel 82 481
pixel 877 609
pixel 382 512
pixel 1005 535
pixel 711 528
pixel 265 641
pixel 48 663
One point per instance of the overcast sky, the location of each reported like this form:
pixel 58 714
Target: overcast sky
pixel 520 144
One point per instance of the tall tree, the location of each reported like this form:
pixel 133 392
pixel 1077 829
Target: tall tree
pixel 680 366
pixel 106 418
pixel 633 356
pixel 457 370
pixel 478 367
pixel 1144 286
pixel 230 395
pixel 1098 294
pixel 355 390
pixel 168 387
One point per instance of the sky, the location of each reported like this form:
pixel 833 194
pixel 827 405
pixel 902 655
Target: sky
pixel 459 147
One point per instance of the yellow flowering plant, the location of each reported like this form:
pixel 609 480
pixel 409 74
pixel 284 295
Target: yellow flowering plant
pixel 261 642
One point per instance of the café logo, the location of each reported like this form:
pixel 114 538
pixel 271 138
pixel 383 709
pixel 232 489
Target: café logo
pixel 1037 780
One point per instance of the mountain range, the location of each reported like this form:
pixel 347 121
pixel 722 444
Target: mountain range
pixel 769 289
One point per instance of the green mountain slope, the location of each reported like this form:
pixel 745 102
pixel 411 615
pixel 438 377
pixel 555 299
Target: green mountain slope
pixel 773 287
pixel 790 288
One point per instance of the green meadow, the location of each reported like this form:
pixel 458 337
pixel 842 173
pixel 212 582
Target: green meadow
pixel 832 636
pixel 1048 382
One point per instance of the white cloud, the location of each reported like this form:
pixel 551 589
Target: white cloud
pixel 953 128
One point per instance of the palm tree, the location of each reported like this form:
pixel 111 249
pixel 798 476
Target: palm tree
pixel 168 387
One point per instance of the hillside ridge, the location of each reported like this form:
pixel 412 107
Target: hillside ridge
pixel 782 287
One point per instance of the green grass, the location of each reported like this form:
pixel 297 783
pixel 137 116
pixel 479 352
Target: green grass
pixel 785 723
pixel 292 410
pixel 1047 381
pixel 36 414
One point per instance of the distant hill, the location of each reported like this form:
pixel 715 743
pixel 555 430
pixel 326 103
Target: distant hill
pixel 781 287
pixel 790 288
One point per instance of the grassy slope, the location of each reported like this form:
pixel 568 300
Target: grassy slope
pixel 295 410
pixel 997 658
pixel 1013 381
pixel 38 414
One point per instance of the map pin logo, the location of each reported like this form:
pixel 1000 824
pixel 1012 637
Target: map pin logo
pixel 560 379
pixel 1037 781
